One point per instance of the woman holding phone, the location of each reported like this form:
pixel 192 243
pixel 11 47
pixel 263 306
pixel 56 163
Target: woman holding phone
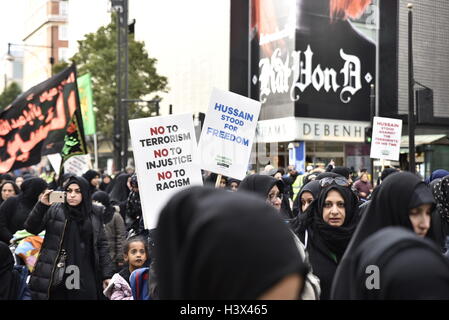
pixel 74 243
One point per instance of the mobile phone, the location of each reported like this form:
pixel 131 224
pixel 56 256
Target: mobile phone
pixel 57 196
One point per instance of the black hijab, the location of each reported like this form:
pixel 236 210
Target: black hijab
pixel 440 191
pixel 89 175
pixel 343 171
pixel 389 206
pixel 109 210
pixel 260 184
pixel 410 267
pixel 79 244
pixel 336 239
pixel 313 187
pixel 9 278
pixel 104 185
pixel 213 244
pixel 120 190
pixel 31 189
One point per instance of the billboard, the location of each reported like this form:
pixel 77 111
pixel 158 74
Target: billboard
pixel 315 58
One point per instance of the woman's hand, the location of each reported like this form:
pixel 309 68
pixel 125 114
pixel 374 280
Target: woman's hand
pixel 45 197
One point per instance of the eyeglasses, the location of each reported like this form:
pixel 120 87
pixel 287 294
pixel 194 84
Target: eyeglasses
pixel 272 197
pixel 341 181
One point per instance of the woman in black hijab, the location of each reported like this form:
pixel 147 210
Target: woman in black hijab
pixel 401 200
pixel 93 178
pixel 407 267
pixel 308 193
pixel 440 216
pixel 74 230
pixel 15 210
pixel 120 192
pixel 105 182
pixel 327 227
pixel 12 284
pixel 212 244
pixel 233 184
pixel 270 189
pixel 114 228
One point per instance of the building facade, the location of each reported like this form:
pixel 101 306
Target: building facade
pixel 45 41
pixel 313 65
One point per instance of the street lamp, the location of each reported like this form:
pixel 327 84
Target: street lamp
pixel 10 57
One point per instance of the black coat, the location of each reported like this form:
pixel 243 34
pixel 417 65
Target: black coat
pixel 323 262
pixel 13 214
pixel 52 219
pixel 15 210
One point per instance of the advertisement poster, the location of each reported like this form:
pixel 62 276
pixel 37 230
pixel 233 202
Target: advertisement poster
pixel 315 58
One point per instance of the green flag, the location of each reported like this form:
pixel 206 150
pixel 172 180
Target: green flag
pixel 86 101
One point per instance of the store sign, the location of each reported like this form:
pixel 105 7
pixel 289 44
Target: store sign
pixel 309 129
pixel 278 76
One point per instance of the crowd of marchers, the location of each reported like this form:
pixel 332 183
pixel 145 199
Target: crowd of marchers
pixel 327 233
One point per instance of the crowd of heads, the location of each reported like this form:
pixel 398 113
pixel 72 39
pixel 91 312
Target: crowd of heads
pixel 267 236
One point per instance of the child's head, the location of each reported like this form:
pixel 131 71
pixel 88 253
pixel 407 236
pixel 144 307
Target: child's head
pixel 135 252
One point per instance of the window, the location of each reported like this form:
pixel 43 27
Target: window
pixel 63 8
pixel 63 33
pixel 63 54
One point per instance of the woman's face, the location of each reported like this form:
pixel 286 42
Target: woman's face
pixel 334 211
pixel 223 183
pixel 420 219
pixel 234 186
pixel 306 200
pixel 19 181
pixel 274 198
pixel 95 181
pixel 278 176
pixel 106 179
pixel 7 191
pixel 74 195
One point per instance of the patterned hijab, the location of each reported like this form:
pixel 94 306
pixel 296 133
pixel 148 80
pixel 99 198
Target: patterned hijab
pixel 440 191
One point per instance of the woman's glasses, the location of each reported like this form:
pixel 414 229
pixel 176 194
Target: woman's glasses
pixel 272 197
pixel 341 181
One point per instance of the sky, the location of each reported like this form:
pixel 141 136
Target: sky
pixel 12 23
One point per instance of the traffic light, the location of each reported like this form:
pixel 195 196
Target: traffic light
pixel 131 27
pixel 368 134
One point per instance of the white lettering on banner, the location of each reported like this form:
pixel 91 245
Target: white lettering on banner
pixel 275 75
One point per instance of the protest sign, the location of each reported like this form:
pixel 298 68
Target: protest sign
pixel 165 158
pixel 386 139
pixel 228 134
pixel 78 165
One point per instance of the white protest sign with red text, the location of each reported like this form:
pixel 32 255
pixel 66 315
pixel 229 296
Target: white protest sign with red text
pixel 386 139
pixel 165 157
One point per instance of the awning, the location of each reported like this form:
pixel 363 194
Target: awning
pixel 425 139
